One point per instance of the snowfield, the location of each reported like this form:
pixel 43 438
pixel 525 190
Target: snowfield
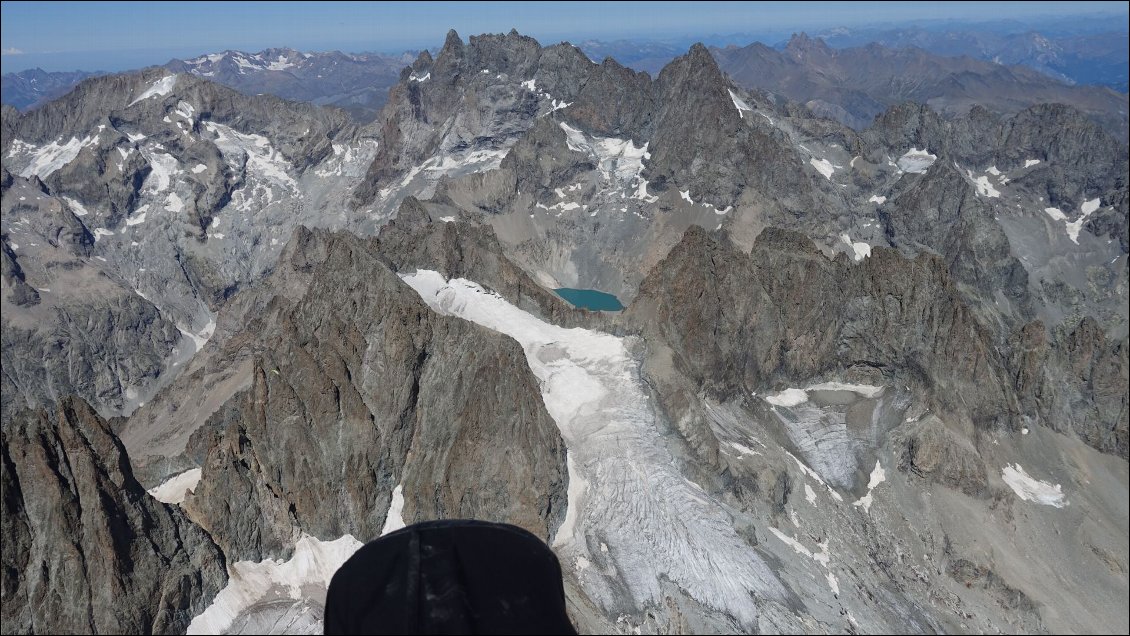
pixel 160 88
pixel 916 161
pixel 177 487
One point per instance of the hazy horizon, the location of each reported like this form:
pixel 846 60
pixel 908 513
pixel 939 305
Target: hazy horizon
pixel 72 36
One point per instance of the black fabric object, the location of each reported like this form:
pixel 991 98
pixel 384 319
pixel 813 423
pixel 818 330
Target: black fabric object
pixel 449 577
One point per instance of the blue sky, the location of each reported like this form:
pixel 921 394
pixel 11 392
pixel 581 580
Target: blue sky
pixel 119 35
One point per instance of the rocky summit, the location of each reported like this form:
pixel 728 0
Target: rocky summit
pixel 867 378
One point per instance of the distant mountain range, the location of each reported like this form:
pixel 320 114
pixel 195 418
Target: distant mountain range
pixel 1075 54
pixel 1089 58
pixel 36 86
pixel 853 85
pixel 358 83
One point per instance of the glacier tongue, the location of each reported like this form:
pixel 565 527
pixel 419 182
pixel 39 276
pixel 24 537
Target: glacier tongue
pixel 626 491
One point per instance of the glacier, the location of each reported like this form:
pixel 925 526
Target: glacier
pixel 633 519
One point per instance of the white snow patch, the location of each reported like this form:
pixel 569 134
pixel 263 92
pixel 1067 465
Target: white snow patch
pixel 174 203
pixel 556 105
pixel 163 167
pixel 394 520
pixel 529 85
pixel 878 476
pixel 993 171
pixel 823 557
pixel 1056 214
pixel 1076 226
pixel 160 88
pixel 1031 162
pixel 877 199
pixel 99 232
pixel 1031 489
pixel 809 494
pixel 76 207
pixel 657 524
pixel 916 161
pixel 743 449
pixel 788 397
pixel 477 160
pixel 186 110
pixel 198 168
pixel 281 64
pixel 984 188
pixel 137 219
pixel 447 219
pixel 740 104
pixel 815 475
pixel 823 166
pixel 619 161
pixel 686 194
pixel 861 249
pixel 200 338
pixel 423 78
pixel 51 157
pixel 313 565
pixel 175 488
pixel 865 390
pixel 262 158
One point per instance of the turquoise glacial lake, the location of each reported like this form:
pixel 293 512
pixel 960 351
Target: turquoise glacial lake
pixel 590 299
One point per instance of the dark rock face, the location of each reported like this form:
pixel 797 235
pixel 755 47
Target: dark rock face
pixel 936 453
pixel 941 212
pixel 699 140
pixel 22 294
pixel 1075 380
pixel 86 549
pixel 970 574
pixel 787 313
pixel 43 361
pixel 359 388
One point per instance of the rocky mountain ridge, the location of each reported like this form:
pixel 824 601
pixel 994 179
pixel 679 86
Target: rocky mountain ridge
pixel 86 549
